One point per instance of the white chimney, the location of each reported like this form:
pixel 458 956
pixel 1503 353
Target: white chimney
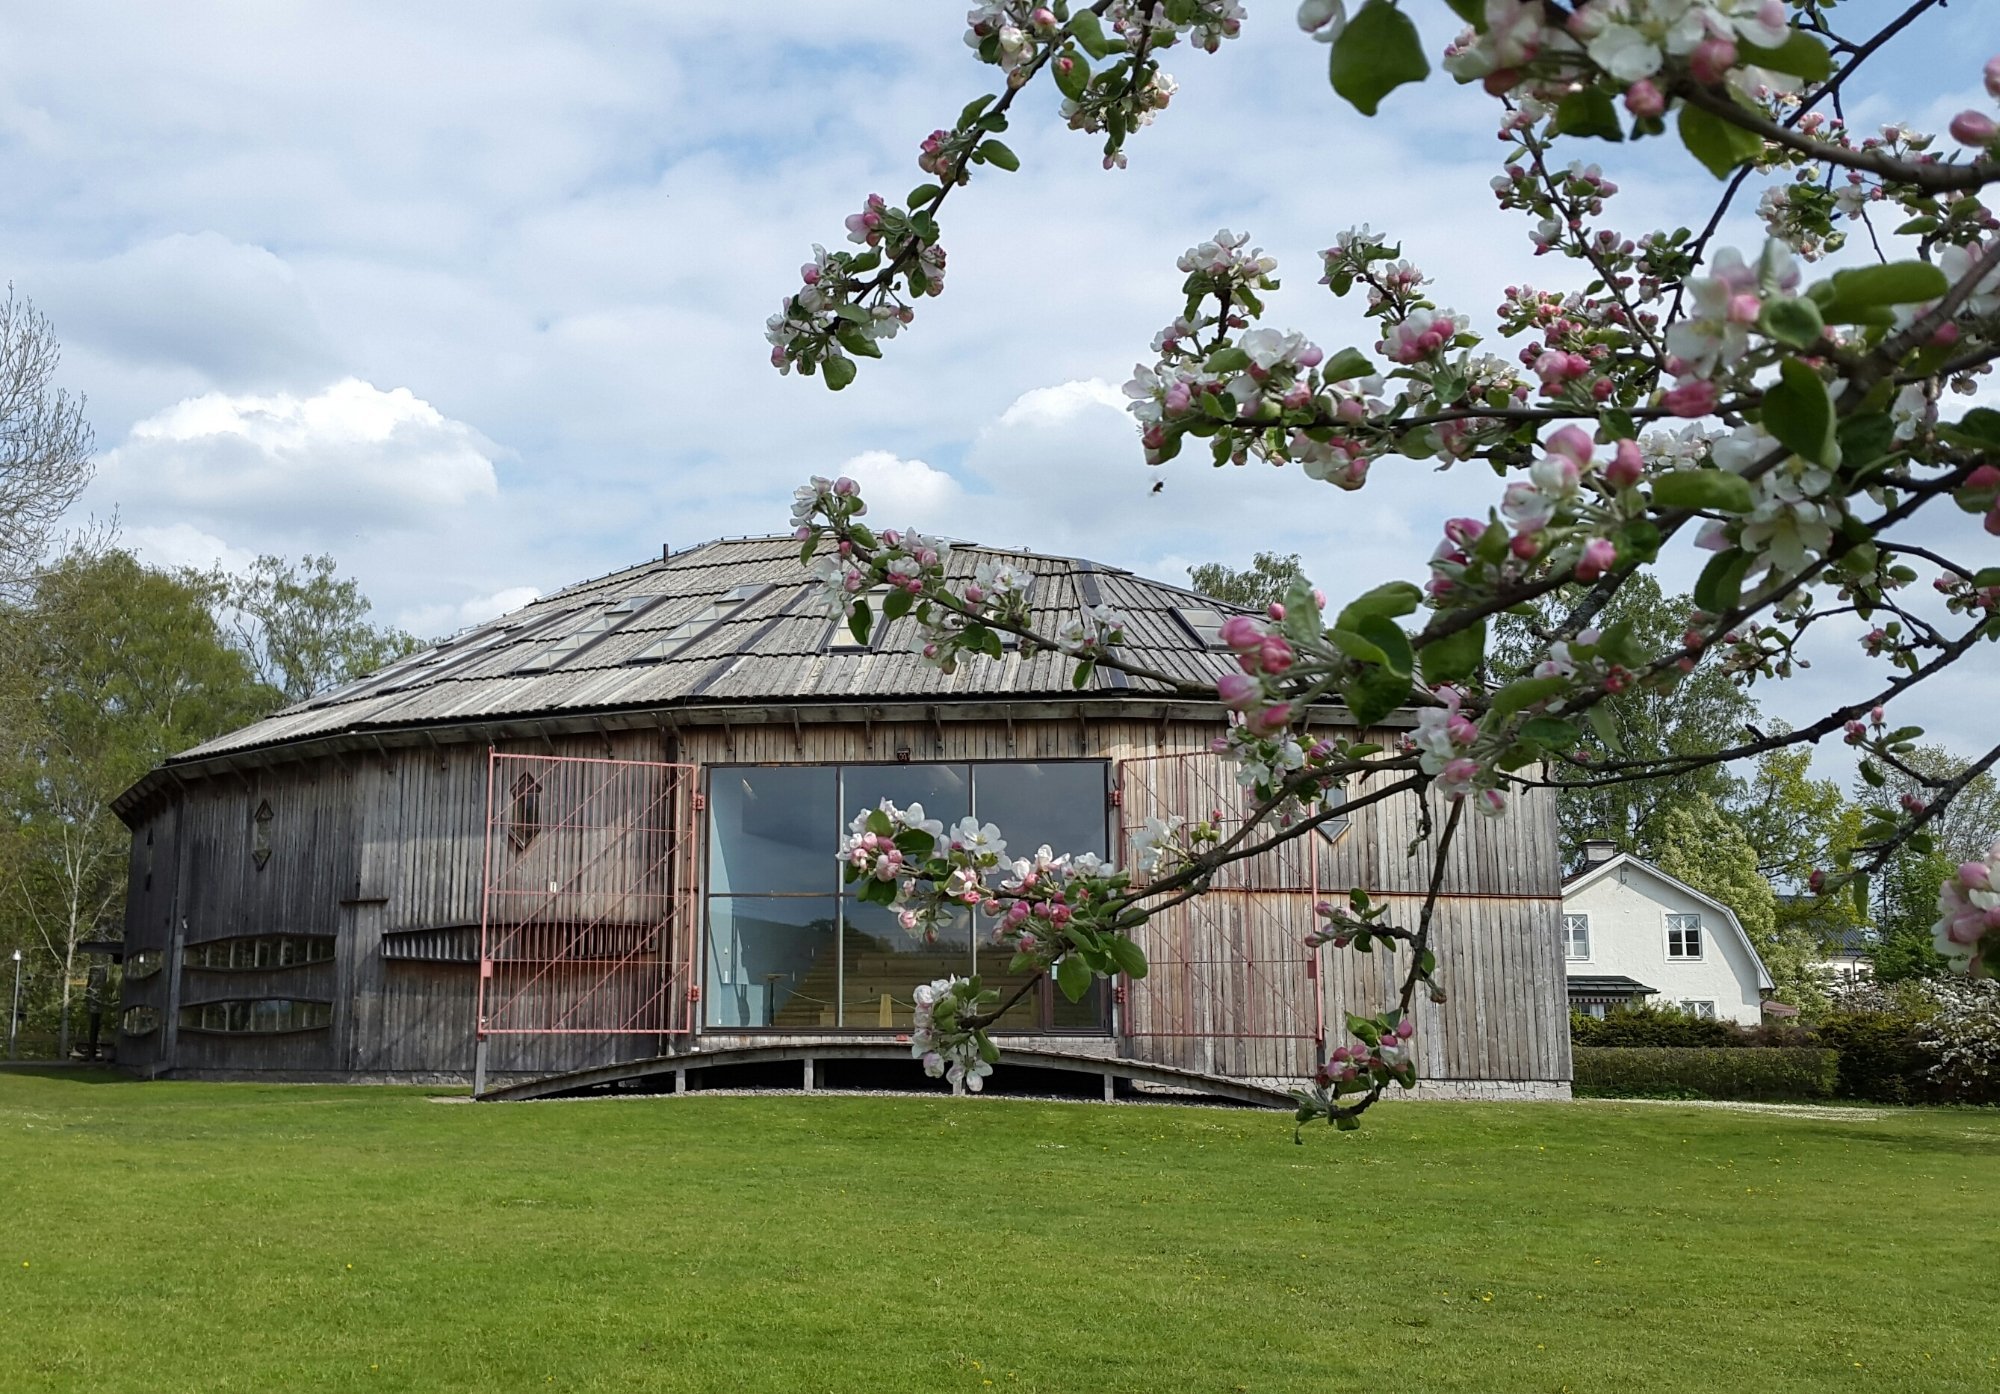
pixel 1598 851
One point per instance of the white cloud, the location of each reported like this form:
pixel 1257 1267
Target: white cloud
pixel 907 493
pixel 182 544
pixel 236 314
pixel 349 455
pixel 437 621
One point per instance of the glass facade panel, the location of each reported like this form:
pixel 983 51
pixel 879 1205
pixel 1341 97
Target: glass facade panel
pixel 881 962
pixel 772 960
pixel 1060 805
pixel 772 832
pixel 943 790
pixel 785 954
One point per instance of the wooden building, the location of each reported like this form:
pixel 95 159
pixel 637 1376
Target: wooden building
pixel 602 829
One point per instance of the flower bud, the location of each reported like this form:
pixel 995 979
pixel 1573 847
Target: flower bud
pixel 1628 465
pixel 1645 100
pixel 1973 128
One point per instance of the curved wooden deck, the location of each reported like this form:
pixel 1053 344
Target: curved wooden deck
pixel 1109 1069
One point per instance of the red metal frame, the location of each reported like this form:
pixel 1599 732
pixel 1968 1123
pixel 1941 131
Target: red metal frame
pixel 588 914
pixel 1231 963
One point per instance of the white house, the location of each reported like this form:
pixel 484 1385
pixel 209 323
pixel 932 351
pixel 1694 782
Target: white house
pixel 1631 931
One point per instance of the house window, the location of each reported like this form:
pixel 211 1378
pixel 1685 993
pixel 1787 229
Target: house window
pixel 1576 938
pixel 1684 936
pixel 1704 1010
pixel 1595 1010
pixel 789 945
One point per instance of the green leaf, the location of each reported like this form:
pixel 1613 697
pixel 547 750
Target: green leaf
pixel 1798 411
pixel 923 193
pixel 999 155
pixel 1090 34
pixel 1606 726
pixel 1720 145
pixel 1230 359
pixel 1588 113
pixel 1081 677
pixel 853 314
pixel 1130 958
pixel 1393 600
pixel 988 1051
pixel 1073 977
pixel 1473 12
pixel 1075 80
pixel 860 622
pixel 1394 644
pixel 1873 774
pixel 1455 656
pixel 1348 363
pixel 915 842
pixel 1979 428
pixel 839 372
pixel 1373 693
pixel 897 604
pixel 1704 488
pixel 1898 283
pixel 1720 585
pixel 1376 53
pixel 1800 54
pixel 1795 321
pixel 856 342
pixel 1525 692
pixel 1357 646
pixel 1550 732
pixel 1859 889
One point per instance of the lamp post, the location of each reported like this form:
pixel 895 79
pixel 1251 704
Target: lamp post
pixel 14 1014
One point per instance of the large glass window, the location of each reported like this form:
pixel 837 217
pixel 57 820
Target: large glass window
pixel 788 949
pixel 772 961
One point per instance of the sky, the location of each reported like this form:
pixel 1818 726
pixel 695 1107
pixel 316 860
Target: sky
pixel 473 297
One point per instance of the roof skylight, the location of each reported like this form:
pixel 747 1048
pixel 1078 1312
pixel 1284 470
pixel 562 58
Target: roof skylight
pixel 698 624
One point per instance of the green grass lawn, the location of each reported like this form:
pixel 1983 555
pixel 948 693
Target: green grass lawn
pixel 173 1236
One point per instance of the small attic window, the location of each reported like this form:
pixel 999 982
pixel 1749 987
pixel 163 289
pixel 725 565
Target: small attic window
pixel 842 635
pixel 698 624
pixel 1203 623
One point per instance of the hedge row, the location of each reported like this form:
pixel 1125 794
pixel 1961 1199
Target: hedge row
pixel 1776 1074
pixel 1880 1058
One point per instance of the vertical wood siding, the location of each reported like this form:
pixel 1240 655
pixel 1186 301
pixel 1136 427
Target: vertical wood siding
pixel 381 844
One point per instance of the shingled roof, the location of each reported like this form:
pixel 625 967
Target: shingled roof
pixel 733 623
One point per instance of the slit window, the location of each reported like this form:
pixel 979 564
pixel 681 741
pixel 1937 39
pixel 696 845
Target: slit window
pixel 142 965
pixel 263 1016
pixel 524 813
pixel 258 951
pixel 138 1021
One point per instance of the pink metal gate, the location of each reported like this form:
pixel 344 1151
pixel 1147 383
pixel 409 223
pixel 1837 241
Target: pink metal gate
pixel 1231 987
pixel 588 918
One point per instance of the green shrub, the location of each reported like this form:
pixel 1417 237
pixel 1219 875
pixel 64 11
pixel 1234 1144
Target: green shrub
pixel 1880 1058
pixel 1643 1024
pixel 1775 1074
